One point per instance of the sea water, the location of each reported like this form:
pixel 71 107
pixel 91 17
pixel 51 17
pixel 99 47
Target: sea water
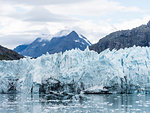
pixel 117 103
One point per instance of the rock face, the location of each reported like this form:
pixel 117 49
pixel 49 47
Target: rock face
pixel 56 44
pixel 139 36
pixel 7 54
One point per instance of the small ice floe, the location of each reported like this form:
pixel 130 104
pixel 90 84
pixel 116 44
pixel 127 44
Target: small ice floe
pixel 96 90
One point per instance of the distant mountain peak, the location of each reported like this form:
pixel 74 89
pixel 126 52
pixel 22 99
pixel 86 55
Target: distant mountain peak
pixel 73 33
pixel 60 42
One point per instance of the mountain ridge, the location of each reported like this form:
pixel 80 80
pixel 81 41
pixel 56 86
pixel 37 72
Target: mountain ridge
pixel 7 54
pixel 139 36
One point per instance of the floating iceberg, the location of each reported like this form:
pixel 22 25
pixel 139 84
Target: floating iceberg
pixel 123 71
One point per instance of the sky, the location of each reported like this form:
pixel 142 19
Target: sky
pixel 22 21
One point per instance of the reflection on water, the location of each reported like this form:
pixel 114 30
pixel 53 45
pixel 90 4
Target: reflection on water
pixel 21 103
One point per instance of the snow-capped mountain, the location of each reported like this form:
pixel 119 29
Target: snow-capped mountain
pixel 60 42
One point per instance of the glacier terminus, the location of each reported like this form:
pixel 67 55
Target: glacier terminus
pixel 63 75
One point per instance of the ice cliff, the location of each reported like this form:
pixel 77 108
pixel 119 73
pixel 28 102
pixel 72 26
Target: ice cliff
pixel 122 71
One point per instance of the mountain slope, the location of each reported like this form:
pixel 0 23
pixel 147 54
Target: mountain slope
pixel 7 54
pixel 139 36
pixel 56 44
pixel 20 48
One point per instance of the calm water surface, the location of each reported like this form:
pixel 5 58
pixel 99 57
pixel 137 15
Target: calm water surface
pixel 19 103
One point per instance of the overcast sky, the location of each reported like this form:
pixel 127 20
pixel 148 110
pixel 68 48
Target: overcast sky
pixel 21 21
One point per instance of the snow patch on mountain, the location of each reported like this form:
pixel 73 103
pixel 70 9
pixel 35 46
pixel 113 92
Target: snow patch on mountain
pixel 82 37
pixel 43 44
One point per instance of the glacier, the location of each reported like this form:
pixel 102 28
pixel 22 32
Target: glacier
pixel 123 71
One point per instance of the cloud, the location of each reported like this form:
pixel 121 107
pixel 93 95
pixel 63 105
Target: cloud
pixel 6 9
pixel 22 20
pixel 35 14
pixel 43 2
pixel 92 31
pixel 41 14
pixel 129 24
pixel 10 41
pixel 93 7
pixel 32 13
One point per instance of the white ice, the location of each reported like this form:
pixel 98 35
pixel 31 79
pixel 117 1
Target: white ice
pixel 89 67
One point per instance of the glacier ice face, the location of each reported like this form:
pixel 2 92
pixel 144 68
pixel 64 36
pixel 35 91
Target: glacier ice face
pixel 124 68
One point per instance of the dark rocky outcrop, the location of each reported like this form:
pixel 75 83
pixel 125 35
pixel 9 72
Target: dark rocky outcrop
pixel 139 36
pixel 7 54
pixel 53 89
